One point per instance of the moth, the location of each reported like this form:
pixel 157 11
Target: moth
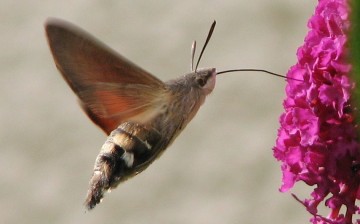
pixel 141 114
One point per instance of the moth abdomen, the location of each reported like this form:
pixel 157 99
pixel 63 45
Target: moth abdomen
pixel 109 169
pixel 127 151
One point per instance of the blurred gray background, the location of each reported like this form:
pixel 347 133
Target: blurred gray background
pixel 219 170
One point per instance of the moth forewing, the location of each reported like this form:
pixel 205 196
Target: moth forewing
pixel 89 66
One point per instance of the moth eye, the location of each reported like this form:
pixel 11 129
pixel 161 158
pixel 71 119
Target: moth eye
pixel 201 82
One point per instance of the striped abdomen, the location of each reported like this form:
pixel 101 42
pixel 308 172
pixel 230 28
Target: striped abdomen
pixel 127 151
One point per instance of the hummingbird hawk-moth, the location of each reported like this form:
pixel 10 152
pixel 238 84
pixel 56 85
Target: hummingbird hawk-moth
pixel 140 114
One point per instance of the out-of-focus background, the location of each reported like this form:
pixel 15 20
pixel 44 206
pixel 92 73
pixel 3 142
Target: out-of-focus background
pixel 219 170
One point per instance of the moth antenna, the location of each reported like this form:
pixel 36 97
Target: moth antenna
pixel 193 49
pixel 258 70
pixel 206 42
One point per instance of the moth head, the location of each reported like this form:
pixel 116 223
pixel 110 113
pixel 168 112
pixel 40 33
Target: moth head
pixel 204 79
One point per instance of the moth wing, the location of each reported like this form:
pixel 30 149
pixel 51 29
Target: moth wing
pixel 109 104
pixel 111 89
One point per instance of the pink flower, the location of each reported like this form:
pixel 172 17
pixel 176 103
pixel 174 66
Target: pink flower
pixel 317 140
